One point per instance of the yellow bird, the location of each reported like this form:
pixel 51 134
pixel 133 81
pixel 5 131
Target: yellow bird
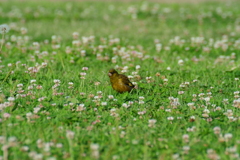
pixel 120 82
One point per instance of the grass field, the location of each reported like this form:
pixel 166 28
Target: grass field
pixel 56 100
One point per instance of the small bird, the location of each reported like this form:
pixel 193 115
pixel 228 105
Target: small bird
pixel 120 82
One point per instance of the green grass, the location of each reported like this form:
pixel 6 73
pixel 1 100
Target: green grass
pixel 40 121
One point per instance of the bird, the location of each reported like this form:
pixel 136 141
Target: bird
pixel 120 82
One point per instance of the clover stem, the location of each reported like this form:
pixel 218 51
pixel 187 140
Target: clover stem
pixel 2 43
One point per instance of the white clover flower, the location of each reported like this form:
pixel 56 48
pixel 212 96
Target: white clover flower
pixel 186 148
pixel 138 66
pixel 110 96
pixel 206 110
pixel 141 98
pixel 152 121
pixel 113 110
pixel 218 108
pixel 4 28
pixel 76 42
pixel 20 85
pixel 12 139
pixel 70 134
pixel 99 92
pixel 141 102
pixel 170 118
pixel 158 47
pixel 141 112
pixel 134 83
pixel 11 99
pixel 36 109
pixel 30 87
pixel 33 81
pixel 70 83
pixel 13 38
pixel 236 92
pixel 6 115
pixel 23 30
pixel 75 35
pixel 192 117
pixel 56 81
pixel 81 107
pixel 94 151
pixel 125 105
pixel 190 104
pixel 96 97
pixel 175 156
pixel 130 102
pixel 94 146
pixel 130 77
pixel 185 137
pixel 25 148
pixel 228 136
pixel 104 103
pixel 180 92
pixel 168 110
pixel 83 74
pixel 148 78
pixel 28 115
pixel 59 145
pixel 180 62
pixel 44 64
pixel 182 85
pixel 85 68
pixel 165 80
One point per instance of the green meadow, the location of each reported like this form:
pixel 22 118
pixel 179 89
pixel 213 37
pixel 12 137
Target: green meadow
pixel 57 102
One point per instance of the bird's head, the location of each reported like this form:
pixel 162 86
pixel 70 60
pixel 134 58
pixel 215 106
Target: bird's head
pixel 112 72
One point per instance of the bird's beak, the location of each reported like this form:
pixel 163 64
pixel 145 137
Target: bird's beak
pixel 109 74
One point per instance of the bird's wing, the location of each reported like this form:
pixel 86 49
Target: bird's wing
pixel 124 79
